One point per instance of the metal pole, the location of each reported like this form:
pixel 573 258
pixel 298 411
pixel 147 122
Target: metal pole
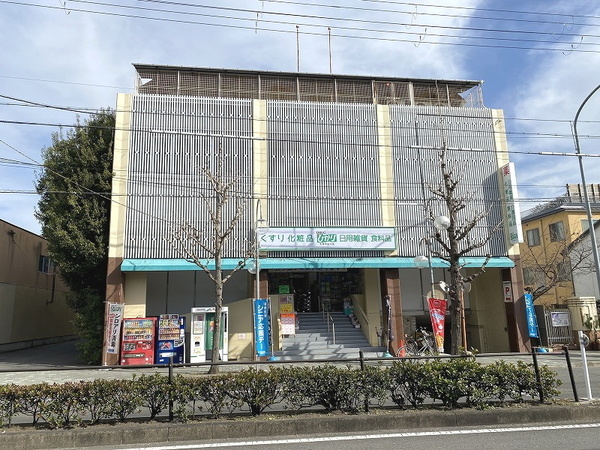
pixel 586 373
pixel 588 207
pixel 538 380
pixel 171 388
pixel 570 367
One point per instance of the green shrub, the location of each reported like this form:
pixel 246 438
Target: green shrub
pixel 63 404
pixel 154 392
pixel 334 388
pixel 258 389
pixel 10 402
pixel 549 383
pixel 209 392
pixel 31 399
pixel 405 382
pixel 373 383
pixel 94 399
pixel 123 399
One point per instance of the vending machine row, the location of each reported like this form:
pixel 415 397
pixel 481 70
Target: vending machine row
pixel 155 340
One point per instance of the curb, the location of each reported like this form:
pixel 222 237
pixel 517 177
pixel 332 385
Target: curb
pixel 300 425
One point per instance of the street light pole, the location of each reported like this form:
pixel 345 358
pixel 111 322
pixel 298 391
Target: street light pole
pixel 588 207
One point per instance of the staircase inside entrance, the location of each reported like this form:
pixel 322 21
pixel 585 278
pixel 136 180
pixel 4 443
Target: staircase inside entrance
pixel 315 340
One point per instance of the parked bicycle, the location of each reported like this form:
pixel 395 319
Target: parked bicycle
pixel 424 345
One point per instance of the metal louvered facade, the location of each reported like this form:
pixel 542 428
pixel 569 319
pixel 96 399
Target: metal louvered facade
pixel 172 140
pixel 320 88
pixel 323 155
pixel 418 135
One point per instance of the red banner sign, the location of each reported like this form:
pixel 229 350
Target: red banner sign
pixel 437 311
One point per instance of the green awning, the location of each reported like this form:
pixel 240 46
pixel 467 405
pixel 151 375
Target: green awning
pixel 168 265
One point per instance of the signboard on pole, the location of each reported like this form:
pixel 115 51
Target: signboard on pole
pixel 115 318
pixel 508 294
pixel 513 213
pixel 532 324
pixel 437 311
pixel 262 326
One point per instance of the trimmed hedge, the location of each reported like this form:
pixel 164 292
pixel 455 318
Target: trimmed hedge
pixel 455 383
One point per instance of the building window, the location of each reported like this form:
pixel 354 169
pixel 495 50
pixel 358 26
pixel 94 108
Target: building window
pixel 533 237
pixel 533 276
pixel 45 264
pixel 564 271
pixel 557 231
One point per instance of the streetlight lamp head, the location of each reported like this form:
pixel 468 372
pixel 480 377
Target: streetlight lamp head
pixel 441 222
pixel 251 267
pixel 421 261
pixel 444 286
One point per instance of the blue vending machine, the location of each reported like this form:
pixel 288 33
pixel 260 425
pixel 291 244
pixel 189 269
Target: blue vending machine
pixel 170 339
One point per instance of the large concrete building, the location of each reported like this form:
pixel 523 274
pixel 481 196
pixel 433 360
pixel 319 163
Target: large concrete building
pixel 33 310
pixel 352 158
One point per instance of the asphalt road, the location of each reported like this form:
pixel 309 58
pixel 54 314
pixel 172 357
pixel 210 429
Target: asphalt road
pixel 567 436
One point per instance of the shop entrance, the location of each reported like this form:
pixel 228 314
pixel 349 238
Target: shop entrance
pixel 316 291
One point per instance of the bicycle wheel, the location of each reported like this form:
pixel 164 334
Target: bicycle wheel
pixel 429 348
pixel 408 349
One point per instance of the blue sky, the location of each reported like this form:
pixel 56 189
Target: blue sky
pixel 537 65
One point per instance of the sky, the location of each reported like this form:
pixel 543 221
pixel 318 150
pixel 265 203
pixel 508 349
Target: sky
pixel 537 65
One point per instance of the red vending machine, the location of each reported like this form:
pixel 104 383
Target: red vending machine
pixel 139 337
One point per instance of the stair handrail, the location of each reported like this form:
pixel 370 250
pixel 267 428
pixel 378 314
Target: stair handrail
pixel 330 319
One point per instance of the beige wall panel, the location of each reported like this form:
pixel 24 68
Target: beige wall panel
pixel 33 318
pixel 486 322
pixel 7 303
pixel 240 329
pixel 135 295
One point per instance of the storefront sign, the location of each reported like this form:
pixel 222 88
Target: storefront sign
pixel 262 328
pixel 115 318
pixel 560 318
pixel 532 324
pixel 327 238
pixel 513 213
pixel 437 311
pixel 288 324
pixel 508 295
pixel 286 304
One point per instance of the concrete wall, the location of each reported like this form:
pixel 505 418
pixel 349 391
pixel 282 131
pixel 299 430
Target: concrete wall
pixel 32 303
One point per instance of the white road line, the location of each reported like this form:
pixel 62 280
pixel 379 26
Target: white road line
pixel 370 436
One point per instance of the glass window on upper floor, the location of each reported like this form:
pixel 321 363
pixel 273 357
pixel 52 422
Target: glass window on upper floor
pixel 564 271
pixel 533 237
pixel 557 231
pixel 585 224
pixel 45 264
pixel 533 276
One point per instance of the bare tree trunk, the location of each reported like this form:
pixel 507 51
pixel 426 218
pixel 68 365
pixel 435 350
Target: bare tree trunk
pixel 455 311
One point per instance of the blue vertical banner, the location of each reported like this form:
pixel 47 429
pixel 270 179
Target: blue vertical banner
pixel 532 324
pixel 262 326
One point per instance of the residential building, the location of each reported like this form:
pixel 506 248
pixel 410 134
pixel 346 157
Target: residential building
pixel 33 309
pixel 585 281
pixel 334 174
pixel 549 230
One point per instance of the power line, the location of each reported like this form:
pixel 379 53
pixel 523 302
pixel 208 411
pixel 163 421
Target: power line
pixel 565 47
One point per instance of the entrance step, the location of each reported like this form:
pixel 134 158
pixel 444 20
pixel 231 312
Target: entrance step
pixel 314 341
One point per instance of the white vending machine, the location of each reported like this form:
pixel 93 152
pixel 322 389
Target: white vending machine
pixel 202 322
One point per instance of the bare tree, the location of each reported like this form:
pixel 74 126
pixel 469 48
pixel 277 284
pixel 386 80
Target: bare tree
pixel 551 266
pixel 199 244
pixel 456 244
